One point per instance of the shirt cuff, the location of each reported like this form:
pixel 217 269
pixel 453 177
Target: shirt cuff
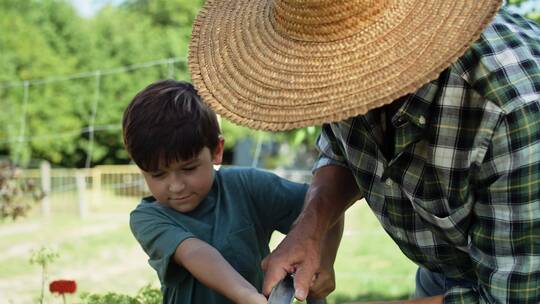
pixel 461 295
pixel 323 161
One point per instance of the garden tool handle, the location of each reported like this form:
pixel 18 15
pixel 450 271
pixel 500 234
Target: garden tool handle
pixel 316 301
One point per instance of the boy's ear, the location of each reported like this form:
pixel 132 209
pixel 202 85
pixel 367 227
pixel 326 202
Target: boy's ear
pixel 217 158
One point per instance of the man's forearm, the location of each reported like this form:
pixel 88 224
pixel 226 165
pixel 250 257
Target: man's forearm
pixel 332 190
pixel 331 242
pixel 325 281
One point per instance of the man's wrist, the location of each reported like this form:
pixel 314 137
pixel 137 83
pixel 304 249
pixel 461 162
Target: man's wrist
pixel 309 227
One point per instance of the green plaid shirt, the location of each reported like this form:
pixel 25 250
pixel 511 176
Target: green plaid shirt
pixel 460 194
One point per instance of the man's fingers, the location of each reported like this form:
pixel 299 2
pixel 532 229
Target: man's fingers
pixel 315 288
pixel 264 264
pixel 313 280
pixel 271 278
pixel 318 292
pixel 324 284
pixel 302 281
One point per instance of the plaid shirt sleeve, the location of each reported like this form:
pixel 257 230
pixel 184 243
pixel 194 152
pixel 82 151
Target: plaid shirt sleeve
pixel 329 149
pixel 505 235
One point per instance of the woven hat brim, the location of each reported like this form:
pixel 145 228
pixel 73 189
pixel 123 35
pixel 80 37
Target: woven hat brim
pixel 251 74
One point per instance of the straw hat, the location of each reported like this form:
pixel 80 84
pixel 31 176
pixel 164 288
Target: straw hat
pixel 284 64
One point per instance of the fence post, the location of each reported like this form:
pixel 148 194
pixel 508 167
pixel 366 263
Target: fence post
pixel 81 191
pixel 96 185
pixel 45 170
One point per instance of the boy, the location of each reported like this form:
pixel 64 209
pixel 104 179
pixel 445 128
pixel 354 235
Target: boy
pixel 205 231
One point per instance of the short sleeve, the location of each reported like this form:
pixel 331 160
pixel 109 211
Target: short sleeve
pixel 278 201
pixel 329 150
pixel 159 237
pixel 502 65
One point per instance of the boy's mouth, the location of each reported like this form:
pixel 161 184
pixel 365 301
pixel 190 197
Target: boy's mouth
pixel 179 199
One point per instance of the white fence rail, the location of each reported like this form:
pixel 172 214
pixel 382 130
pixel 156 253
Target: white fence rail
pixel 88 186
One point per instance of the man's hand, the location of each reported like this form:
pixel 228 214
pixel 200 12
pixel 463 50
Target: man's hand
pixel 324 281
pixel 297 253
pixel 323 284
pixel 333 189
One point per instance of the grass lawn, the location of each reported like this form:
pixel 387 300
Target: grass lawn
pixel 101 255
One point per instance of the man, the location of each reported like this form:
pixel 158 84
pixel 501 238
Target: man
pixel 430 111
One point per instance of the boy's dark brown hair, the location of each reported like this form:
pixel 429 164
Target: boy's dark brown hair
pixel 167 122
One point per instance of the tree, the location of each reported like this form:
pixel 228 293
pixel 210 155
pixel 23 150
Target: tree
pixel 39 38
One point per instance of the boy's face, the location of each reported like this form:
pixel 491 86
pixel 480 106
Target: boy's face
pixel 184 184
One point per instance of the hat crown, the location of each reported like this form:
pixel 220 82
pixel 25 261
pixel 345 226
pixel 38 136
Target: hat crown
pixel 325 20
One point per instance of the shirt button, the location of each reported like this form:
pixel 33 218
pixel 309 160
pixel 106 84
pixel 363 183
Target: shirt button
pixel 422 120
pixel 388 182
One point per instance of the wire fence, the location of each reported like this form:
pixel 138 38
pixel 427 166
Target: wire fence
pixel 19 120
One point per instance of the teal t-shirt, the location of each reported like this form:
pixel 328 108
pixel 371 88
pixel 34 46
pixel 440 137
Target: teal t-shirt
pixel 237 218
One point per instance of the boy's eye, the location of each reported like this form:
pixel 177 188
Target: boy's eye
pixel 157 174
pixel 190 168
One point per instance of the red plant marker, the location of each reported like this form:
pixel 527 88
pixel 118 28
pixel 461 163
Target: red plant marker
pixel 62 287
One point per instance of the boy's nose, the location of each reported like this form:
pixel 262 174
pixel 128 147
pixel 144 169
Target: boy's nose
pixel 176 185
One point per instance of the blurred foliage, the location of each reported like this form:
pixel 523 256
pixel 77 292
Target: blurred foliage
pixel 146 295
pixel 45 38
pixel 43 257
pixel 17 195
pixel 529 11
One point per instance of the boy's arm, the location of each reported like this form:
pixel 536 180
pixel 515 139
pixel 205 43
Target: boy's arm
pixel 209 267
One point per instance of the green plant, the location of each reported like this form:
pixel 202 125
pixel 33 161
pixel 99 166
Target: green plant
pixel 145 295
pixel 43 257
pixel 149 295
pixel 107 298
pixel 17 195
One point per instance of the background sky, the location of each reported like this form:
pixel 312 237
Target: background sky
pixel 88 8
